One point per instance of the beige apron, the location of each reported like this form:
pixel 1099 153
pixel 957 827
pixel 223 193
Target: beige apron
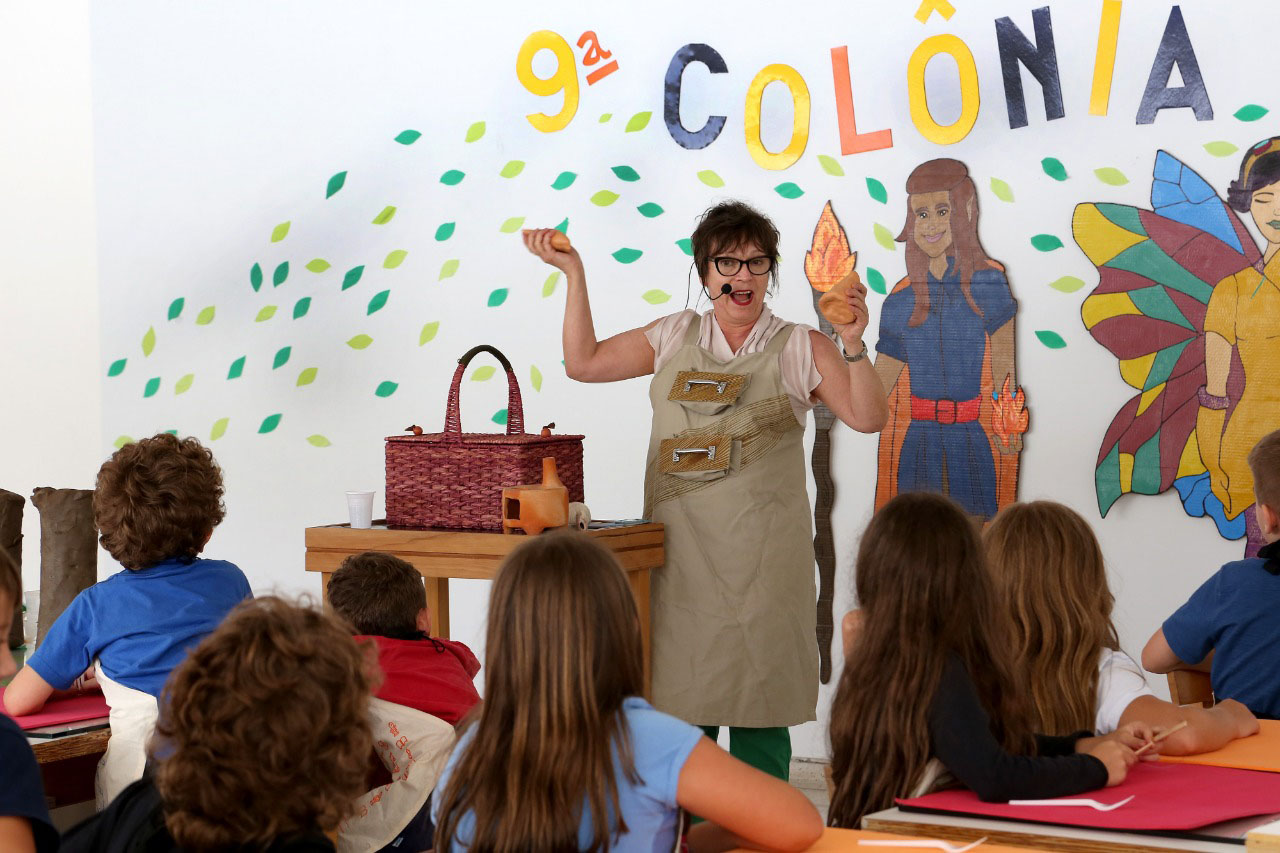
pixel 735 607
pixel 133 719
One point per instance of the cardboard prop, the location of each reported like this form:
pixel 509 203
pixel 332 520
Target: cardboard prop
pixel 68 550
pixel 11 506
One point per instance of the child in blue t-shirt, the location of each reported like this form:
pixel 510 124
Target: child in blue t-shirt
pixel 563 754
pixel 1228 627
pixel 156 504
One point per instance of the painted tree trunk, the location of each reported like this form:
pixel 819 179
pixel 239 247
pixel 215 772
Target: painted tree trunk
pixel 68 550
pixel 824 548
pixel 11 506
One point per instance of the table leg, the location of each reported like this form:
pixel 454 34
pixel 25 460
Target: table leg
pixel 639 580
pixel 438 605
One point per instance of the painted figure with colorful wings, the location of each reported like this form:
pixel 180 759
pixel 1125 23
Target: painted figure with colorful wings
pixel 1191 308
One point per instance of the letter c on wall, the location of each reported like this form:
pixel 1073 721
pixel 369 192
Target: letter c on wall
pixel 791 78
pixel 919 99
pixel 684 57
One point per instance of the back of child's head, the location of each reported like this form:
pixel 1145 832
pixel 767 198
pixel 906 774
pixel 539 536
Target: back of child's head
pixel 158 499
pixel 265 731
pixel 379 594
pixel 924 596
pixel 1050 577
pixel 1264 462
pixel 562 651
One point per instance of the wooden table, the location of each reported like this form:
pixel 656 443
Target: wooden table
pixel 443 554
pixel 68 764
pixel 838 840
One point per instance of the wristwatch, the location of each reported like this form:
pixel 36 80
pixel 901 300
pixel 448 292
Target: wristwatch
pixel 852 359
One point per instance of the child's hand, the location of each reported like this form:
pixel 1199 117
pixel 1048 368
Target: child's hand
pixel 1117 758
pixel 1246 722
pixel 1138 736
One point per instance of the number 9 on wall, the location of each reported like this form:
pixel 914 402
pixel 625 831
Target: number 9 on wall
pixel 564 79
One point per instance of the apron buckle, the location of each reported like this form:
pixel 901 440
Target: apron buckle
pixel 676 455
pixel 719 384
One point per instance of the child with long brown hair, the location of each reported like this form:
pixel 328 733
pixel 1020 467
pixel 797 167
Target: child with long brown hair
pixel 1048 569
pixel 925 677
pixel 564 754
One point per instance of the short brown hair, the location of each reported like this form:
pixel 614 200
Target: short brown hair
pixel 730 224
pixel 158 499
pixel 378 594
pixel 1264 462
pixel 267 730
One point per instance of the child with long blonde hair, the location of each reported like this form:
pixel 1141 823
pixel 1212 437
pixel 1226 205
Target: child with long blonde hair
pixel 1048 570
pixel 564 754
pixel 926 686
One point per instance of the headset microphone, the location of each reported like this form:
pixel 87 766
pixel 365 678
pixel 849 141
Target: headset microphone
pixel 725 290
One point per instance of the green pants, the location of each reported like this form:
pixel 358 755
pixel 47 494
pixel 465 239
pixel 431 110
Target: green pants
pixel 764 749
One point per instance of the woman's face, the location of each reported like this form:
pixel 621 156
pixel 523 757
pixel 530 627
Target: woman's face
pixel 745 300
pixel 932 216
pixel 1265 209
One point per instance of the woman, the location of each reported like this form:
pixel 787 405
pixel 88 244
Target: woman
pixel 734 608
pixel 950 323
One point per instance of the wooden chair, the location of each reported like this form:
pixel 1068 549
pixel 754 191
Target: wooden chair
pixel 1187 687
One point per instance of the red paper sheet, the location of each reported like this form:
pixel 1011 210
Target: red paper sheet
pixel 1165 797
pixel 61 711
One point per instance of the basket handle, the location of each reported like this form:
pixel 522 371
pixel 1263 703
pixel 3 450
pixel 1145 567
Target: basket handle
pixel 515 408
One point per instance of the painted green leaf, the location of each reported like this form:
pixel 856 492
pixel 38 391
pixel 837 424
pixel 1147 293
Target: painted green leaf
pixel 184 384
pixel 497 297
pixel 686 246
pixel 255 277
pixel 279 232
pixel 564 180
pixel 1053 168
pixel 219 429
pixel 485 371
pixel 549 286
pixel 205 317
pixel 500 417
pixel 267 312
pixel 884 237
pixel 605 117
pixel 656 297
pixel 563 227
pixel 448 268
pixel 377 302
pixel 513 168
pixel 604 198
pixel 301 307
pixel 121 441
pixel 335 183
pixel 117 367
pixel 877 191
pixel 281 357
pixel 1001 190
pixel 281 273
pixel 149 341
pixel 1220 148
pixel 269 423
pixel 1046 242
pixel 1067 284
pixel 639 121
pixel 830 165
pixel 172 431
pixel 153 385
pixel 452 178
pixel 428 332
pixel 627 256
pixel 535 377
pixel 711 179
pixel 394 259
pixel 408 137
pixel 175 308
pixel 306 377
pixel 650 210
pixel 1050 339
pixel 626 173
pixel 445 231
pixel 1111 176
pixel 352 277
pixel 359 341
pixel 318 265
pixel 875 280
pixel 385 216
pixel 237 368
pixel 788 190
pixel 511 225
pixel 1250 112
pixel 475 131
pixel 317 440
pixel 386 388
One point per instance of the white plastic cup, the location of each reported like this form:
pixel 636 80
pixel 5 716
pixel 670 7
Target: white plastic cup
pixel 360 509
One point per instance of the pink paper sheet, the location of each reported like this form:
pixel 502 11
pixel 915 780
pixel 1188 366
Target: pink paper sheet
pixel 61 711
pixel 1165 797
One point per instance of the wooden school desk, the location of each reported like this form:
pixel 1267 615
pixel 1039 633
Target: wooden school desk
pixel 443 554
pixel 841 840
pixel 68 764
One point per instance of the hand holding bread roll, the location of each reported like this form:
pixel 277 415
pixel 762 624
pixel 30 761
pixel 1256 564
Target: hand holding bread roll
pixel 559 241
pixel 834 304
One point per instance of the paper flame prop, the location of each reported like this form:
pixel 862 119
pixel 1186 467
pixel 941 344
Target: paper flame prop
pixel 1009 413
pixel 829 259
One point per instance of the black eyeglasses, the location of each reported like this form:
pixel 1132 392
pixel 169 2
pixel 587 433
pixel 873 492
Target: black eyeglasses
pixel 755 266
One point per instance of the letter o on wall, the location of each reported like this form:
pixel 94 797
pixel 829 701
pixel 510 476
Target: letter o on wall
pixel 919 98
pixel 791 78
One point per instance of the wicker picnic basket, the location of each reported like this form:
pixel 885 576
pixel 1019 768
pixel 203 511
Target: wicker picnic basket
pixel 455 479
